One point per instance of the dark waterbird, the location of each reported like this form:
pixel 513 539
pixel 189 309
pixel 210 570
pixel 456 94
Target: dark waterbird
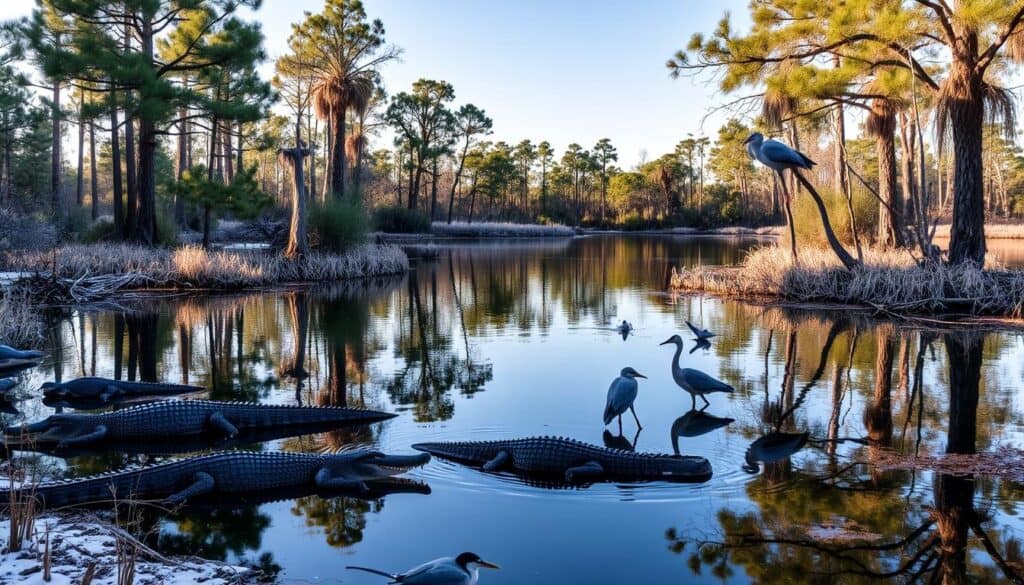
pixel 696 382
pixel 772 447
pixel 700 334
pixel 461 570
pixel 621 395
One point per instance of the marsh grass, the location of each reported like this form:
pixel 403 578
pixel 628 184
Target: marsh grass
pixel 20 324
pixel 194 267
pixel 890 281
pixel 499 230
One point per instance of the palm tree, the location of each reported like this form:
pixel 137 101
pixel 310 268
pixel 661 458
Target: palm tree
pixel 333 96
pixel 343 50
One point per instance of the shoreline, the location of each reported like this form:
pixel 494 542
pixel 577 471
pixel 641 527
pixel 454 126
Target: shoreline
pixel 70 542
pixel 890 283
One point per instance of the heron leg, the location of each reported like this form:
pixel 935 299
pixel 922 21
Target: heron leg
pixel 581 472
pixel 636 418
pixel 693 401
pixel 498 462
pixel 620 424
pixel 705 399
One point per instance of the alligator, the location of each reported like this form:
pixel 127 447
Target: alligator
pixel 168 419
pixel 229 472
pixel 574 460
pixel 9 353
pixel 106 389
pixel 12 365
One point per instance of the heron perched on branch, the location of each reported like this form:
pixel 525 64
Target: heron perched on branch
pixel 779 157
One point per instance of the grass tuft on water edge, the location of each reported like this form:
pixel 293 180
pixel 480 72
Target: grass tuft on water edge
pixel 889 280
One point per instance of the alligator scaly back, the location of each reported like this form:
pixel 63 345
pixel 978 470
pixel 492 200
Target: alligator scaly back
pixel 571 458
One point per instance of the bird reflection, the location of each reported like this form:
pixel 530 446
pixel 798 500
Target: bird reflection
pixel 624 329
pixel 620 441
pixel 772 447
pixel 701 344
pixel 694 424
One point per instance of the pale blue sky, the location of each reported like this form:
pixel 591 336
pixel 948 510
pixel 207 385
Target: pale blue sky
pixel 565 71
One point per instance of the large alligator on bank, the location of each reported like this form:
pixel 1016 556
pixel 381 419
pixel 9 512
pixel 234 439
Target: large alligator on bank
pixel 167 419
pixel 573 460
pixel 231 472
pixel 106 389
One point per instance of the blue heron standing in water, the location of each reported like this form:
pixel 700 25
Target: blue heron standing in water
pixel 621 395
pixel 696 382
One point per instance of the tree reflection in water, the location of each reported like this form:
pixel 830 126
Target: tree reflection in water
pixel 778 543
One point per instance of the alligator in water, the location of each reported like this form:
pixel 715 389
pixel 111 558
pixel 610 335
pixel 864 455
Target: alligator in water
pixel 106 389
pixel 9 353
pixel 231 472
pixel 571 459
pixel 168 419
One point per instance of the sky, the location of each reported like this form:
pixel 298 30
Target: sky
pixel 557 70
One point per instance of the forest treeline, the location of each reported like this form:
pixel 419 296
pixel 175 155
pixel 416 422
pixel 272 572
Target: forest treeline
pixel 171 126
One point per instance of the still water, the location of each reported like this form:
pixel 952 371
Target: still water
pixel 503 340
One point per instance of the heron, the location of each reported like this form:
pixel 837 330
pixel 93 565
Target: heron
pixel 779 157
pixel 461 570
pixel 621 395
pixel 701 334
pixel 696 382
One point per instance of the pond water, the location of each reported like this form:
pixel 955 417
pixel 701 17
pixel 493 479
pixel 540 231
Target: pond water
pixel 515 339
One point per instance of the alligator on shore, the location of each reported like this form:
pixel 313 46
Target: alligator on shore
pixel 231 472
pixel 106 389
pixel 574 460
pixel 176 418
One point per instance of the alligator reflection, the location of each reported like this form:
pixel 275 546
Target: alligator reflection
pixel 842 524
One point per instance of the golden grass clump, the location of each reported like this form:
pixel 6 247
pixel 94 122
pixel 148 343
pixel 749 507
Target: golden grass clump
pixel 194 267
pixel 889 280
pixel 20 324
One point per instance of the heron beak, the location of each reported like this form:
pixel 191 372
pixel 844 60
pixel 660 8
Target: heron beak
pixel 639 375
pixel 487 565
pixel 666 342
pixel 747 140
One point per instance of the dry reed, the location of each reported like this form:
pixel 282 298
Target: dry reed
pixel 20 324
pixel 890 281
pixel 194 267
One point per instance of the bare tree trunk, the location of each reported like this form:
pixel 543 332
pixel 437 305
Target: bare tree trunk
pixel 95 193
pixel 80 187
pixel 890 233
pixel 115 159
pixel 338 154
pixel 298 246
pixel 55 150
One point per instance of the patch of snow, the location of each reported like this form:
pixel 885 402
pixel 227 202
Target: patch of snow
pixel 78 540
